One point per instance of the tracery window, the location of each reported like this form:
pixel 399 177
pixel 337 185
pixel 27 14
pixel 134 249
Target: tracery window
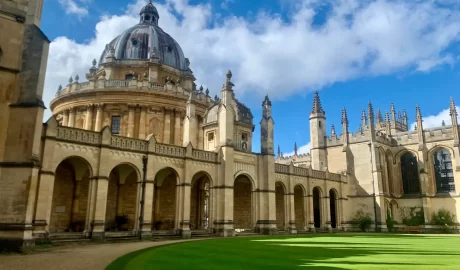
pixel 115 125
pixel 443 171
pixel 409 173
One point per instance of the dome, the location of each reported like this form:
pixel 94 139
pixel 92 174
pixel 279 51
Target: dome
pixel 243 113
pixel 146 40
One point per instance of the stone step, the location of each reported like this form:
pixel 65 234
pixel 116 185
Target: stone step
pixel 66 241
pixel 53 236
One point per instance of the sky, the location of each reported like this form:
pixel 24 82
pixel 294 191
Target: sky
pixel 404 52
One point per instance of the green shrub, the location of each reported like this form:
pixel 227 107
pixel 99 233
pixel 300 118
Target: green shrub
pixel 362 219
pixel 390 222
pixel 412 216
pixel 443 219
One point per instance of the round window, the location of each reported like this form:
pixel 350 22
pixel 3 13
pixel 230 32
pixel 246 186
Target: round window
pixel 135 42
pixel 169 49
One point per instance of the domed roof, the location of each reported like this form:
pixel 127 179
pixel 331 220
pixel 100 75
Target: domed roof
pixel 243 113
pixel 146 40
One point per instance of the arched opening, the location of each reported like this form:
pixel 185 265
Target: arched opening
pixel 200 202
pixel 333 206
pixel 317 207
pixel 164 199
pixel 280 206
pixel 443 172
pixel 299 208
pixel 242 203
pixel 121 208
pixel 389 161
pixel 70 196
pixel 409 173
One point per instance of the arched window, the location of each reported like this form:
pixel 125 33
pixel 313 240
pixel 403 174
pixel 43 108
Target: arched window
pixel 443 171
pixel 409 173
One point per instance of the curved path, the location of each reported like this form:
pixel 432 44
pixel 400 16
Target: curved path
pixel 84 257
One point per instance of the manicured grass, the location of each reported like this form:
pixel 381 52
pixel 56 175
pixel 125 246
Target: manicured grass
pixel 328 251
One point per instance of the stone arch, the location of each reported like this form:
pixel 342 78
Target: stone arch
pixel 280 201
pixel 317 207
pixel 242 202
pixel 122 197
pixel 70 194
pixel 401 152
pixel 299 206
pixel 409 172
pixel 165 199
pixel 248 175
pixel 200 201
pixel 333 204
pixel 441 167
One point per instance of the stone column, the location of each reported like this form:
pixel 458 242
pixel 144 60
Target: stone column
pixel 71 117
pixel 177 134
pixel 65 118
pixel 130 121
pixel 167 127
pixel 89 117
pixel 44 202
pixel 99 115
pixel 327 211
pixel 142 123
pixel 200 133
pixel 291 208
pixel 99 190
pixel 311 214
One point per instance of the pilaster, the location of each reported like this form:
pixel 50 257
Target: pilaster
pixel 177 125
pixel 65 118
pixel 89 117
pixel 131 120
pixel 72 117
pixel 143 123
pixel 99 115
pixel 167 127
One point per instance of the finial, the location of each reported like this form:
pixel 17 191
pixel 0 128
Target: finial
pixel 279 151
pixel 77 78
pixel 266 101
pixel 70 80
pixel 207 92
pixel 344 116
pixel 295 148
pixel 333 130
pixel 363 115
pixel 60 88
pixel 418 114
pixel 229 74
pixel 216 98
pixel 379 116
pixel 317 104
pixel 443 123
pixel 201 88
pixel 392 107
pixel 94 63
pixel 387 117
pixel 371 111
pixel 415 127
pixel 453 109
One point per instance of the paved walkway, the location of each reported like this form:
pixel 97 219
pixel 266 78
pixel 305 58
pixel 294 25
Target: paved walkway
pixel 84 257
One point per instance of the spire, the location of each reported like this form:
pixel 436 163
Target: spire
pixel 370 110
pixel 363 119
pixel 227 89
pixel 344 130
pixel 279 151
pixel 317 104
pixel 453 109
pixel 344 117
pixel 387 123
pixel 453 116
pixel 295 148
pixel 405 121
pixel 333 134
pixel 379 117
pixel 420 133
pixel 418 114
pixel 267 107
pixel 393 112
pixel 443 123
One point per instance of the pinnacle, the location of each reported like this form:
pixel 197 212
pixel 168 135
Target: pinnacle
pixel 317 104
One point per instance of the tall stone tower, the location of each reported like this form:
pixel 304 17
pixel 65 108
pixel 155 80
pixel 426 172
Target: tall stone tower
pixel 318 135
pixel 23 59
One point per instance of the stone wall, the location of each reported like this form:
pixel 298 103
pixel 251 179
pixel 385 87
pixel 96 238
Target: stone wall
pixel 166 204
pixel 112 198
pixel 280 213
pixel 81 199
pixel 242 203
pixel 128 199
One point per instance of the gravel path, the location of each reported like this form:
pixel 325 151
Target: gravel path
pixel 84 257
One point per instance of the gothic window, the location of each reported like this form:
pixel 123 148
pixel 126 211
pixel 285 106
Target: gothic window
pixel 443 171
pixel 115 125
pixel 409 173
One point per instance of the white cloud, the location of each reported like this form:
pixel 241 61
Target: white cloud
pixel 78 8
pixel 269 55
pixel 431 121
pixel 304 149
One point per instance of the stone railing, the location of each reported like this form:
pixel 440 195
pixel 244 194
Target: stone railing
pixel 128 143
pixel 204 155
pixel 134 84
pixel 170 150
pixel 78 135
pixel 306 172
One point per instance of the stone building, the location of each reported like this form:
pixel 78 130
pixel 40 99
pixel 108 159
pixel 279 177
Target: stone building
pixel 138 149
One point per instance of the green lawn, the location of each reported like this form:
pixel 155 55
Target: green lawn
pixel 326 251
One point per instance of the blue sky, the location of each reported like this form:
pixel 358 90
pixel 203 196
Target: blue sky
pixel 351 51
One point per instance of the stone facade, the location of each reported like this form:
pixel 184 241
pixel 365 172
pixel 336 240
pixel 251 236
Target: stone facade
pixel 138 148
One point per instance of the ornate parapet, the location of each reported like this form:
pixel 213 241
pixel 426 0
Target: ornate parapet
pixel 308 172
pixel 104 139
